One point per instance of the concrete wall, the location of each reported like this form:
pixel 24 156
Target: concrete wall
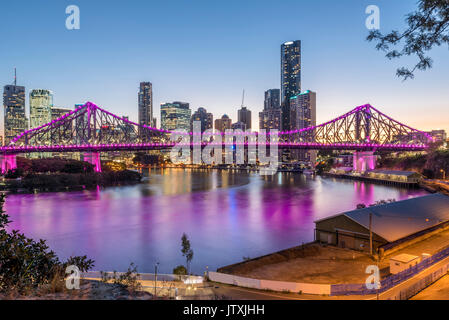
pixel 307 288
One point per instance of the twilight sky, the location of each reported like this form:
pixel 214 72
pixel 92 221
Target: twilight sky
pixel 207 52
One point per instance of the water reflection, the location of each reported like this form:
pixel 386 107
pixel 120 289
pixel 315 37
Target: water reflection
pixel 227 215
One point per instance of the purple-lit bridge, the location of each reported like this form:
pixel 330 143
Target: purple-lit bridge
pixel 91 130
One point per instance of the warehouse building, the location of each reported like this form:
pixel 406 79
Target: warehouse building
pixel 391 223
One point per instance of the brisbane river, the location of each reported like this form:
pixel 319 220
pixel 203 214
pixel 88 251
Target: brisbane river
pixel 227 215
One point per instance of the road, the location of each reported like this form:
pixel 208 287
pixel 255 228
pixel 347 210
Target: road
pixel 404 285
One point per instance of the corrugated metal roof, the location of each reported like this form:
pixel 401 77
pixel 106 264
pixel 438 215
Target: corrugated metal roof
pixel 397 220
pixel 404 258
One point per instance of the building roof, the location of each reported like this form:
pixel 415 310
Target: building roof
pixel 396 172
pixel 404 258
pixel 397 220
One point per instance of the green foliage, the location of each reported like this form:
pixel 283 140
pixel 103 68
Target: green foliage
pixel 180 270
pixel 58 181
pixel 147 159
pixel 324 166
pixel 129 279
pixel 53 165
pixel 428 27
pixel 186 250
pixel 26 264
pixel 15 173
pixel 432 165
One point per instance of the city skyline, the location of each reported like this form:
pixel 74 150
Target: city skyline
pixel 369 77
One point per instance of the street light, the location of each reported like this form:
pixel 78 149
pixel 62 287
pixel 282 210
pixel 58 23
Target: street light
pixel 155 278
pixel 444 173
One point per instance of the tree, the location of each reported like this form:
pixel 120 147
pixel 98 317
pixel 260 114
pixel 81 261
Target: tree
pixel 428 27
pixel 186 250
pixel 26 264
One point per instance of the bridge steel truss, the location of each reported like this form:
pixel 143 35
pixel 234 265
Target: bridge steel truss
pixel 92 129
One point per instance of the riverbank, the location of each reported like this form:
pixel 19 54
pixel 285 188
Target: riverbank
pixel 89 290
pixel 59 182
pixel 434 186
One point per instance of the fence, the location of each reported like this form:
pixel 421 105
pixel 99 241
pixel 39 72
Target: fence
pixel 149 276
pixel 391 281
pixel 280 286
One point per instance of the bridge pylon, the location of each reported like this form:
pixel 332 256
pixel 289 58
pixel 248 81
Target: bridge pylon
pixel 94 159
pixel 364 161
pixel 8 161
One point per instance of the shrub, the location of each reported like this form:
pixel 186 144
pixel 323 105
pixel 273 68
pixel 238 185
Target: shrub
pixel 27 264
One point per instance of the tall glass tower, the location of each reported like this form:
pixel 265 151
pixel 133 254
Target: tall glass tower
pixel 290 77
pixel 14 107
pixel 146 104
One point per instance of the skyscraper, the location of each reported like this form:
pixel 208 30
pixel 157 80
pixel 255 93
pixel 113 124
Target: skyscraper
pixel 303 115
pixel 244 116
pixel 290 77
pixel 270 117
pixel 272 99
pixel 146 104
pixel 175 116
pixel 57 112
pixel 14 108
pixel 223 123
pixel 206 119
pixel 41 102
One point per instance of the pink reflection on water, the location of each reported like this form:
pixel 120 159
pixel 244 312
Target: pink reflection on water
pixel 226 215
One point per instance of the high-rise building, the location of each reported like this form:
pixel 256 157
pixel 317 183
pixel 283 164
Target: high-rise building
pixel 239 126
pixel 290 77
pixel 146 104
pixel 272 99
pixel 223 123
pixel 438 135
pixel 271 116
pixel 14 108
pixel 244 116
pixel 66 133
pixel 270 119
pixel 175 116
pixel 303 115
pixel 57 112
pixel 206 119
pixel 41 102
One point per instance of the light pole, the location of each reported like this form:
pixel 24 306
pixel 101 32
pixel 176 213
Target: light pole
pixel 155 278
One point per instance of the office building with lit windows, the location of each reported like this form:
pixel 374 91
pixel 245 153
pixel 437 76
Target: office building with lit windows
pixel 303 115
pixel 205 118
pixel 15 120
pixel 271 116
pixel 244 116
pixel 41 102
pixel 175 116
pixel 290 77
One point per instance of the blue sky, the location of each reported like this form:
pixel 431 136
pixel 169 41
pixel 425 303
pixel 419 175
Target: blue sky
pixel 207 52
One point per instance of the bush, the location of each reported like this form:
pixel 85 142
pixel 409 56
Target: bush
pixel 129 279
pixel 180 270
pixel 14 174
pixel 27 264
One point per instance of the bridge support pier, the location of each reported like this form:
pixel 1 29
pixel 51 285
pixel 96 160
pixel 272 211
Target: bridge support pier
pixel 94 159
pixel 364 161
pixel 8 161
